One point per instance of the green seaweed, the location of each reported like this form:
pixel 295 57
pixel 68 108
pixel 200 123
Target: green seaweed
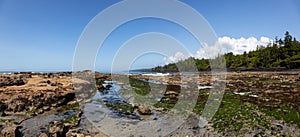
pixel 72 119
pixel 285 113
pixel 122 108
pixel 140 87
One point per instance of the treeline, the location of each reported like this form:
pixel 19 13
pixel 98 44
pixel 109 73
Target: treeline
pixel 282 54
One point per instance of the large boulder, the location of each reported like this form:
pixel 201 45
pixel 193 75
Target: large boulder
pixel 144 110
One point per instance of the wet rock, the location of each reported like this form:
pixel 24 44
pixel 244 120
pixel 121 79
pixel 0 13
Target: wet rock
pixel 144 110
pixel 1 127
pixel 3 106
pixel 100 87
pixel 13 131
pixel 43 135
pixel 108 87
pixel 56 129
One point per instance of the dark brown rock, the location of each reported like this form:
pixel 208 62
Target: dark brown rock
pixel 15 80
pixel 3 106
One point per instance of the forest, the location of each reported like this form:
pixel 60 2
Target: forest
pixel 281 54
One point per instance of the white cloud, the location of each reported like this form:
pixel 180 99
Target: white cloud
pixel 236 46
pixel 223 45
pixel 177 57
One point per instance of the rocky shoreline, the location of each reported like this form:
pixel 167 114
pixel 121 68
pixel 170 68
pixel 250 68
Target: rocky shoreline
pixel 38 104
pixel 49 102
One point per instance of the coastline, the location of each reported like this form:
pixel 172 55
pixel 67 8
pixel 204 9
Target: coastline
pixel 263 90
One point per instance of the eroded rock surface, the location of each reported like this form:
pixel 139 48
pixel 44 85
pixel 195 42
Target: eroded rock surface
pixel 44 104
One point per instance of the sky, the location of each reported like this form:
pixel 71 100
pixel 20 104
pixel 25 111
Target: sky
pixel 42 35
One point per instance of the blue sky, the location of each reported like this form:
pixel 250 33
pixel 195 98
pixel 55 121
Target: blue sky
pixel 41 35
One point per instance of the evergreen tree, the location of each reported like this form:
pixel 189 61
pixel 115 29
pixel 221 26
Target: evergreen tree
pixel 282 53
